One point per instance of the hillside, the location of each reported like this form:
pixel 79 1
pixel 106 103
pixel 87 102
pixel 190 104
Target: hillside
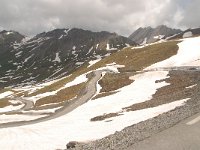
pixel 52 54
pixel 129 91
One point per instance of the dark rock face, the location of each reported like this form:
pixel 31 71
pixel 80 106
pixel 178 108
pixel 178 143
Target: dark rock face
pixel 71 144
pixel 52 54
pixel 194 32
pixel 150 35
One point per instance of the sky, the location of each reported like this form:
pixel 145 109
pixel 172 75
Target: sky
pixel 31 17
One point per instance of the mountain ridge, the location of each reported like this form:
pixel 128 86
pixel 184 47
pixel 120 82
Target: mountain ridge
pixel 149 35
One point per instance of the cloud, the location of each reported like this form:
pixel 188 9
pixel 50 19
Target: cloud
pixel 31 17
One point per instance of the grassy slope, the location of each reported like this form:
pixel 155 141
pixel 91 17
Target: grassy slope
pixel 135 60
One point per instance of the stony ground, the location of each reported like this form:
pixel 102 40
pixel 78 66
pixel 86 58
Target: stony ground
pixel 130 136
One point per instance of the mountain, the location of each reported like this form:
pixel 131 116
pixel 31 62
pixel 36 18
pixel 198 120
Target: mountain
pixel 126 97
pixel 150 35
pixel 52 54
pixel 186 33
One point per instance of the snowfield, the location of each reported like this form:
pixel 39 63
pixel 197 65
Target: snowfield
pixel 5 94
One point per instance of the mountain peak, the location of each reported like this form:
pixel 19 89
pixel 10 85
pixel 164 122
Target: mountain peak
pixel 148 34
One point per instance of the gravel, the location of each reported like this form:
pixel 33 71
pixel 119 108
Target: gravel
pixel 131 135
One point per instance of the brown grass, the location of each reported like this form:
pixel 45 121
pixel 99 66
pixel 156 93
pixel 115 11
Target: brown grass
pixel 4 102
pixel 137 59
pixel 61 96
pixel 112 82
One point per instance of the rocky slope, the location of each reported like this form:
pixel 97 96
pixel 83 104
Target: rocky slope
pixel 52 54
pixel 149 34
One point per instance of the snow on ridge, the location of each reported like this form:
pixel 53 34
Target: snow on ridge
pixel 18 117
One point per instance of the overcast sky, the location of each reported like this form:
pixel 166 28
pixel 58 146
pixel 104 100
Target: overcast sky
pixel 122 16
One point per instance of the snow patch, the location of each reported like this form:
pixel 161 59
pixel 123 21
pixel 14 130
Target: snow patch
pixel 57 58
pixel 187 34
pixel 189 87
pixel 77 80
pixel 17 118
pixel 5 94
pixel 92 62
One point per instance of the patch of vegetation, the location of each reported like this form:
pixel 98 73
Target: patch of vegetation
pixel 61 96
pixel 105 116
pixel 4 102
pixel 137 59
pixel 112 82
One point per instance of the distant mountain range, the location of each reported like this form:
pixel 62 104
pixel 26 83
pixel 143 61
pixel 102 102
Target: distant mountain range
pixel 150 35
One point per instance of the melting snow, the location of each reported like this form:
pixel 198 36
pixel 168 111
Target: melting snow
pixel 77 80
pixel 187 34
pixel 144 42
pixel 57 58
pixel 189 87
pixel 74 48
pixel 10 108
pixel 108 47
pixel 92 62
pixel 97 46
pixel 79 63
pixel 28 58
pixel 89 50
